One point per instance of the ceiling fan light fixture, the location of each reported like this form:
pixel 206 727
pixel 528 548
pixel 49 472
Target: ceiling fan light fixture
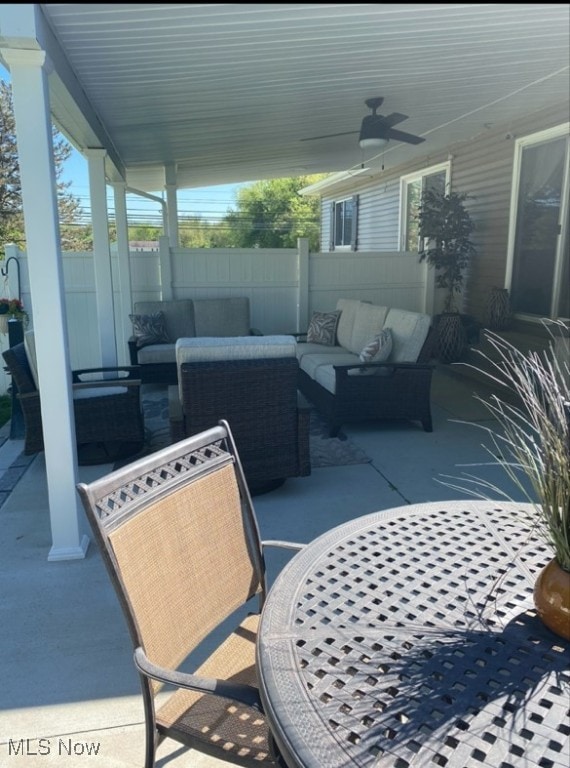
pixel 372 133
pixel 373 143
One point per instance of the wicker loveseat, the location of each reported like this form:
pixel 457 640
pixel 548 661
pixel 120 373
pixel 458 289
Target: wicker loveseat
pixel 251 382
pixel 186 318
pixel 334 378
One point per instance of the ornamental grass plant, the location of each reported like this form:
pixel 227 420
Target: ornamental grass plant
pixel 532 441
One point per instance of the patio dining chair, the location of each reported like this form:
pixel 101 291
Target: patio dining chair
pixel 178 535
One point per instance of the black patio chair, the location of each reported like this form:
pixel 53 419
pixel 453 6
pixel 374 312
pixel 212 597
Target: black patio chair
pixel 108 416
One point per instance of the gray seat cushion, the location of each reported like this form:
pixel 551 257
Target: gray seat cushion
pixel 311 363
pixel 157 353
pixel 310 348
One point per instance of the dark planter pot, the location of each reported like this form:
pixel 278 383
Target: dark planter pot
pixel 499 309
pixel 451 337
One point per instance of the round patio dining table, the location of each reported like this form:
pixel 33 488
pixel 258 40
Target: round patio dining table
pixel 408 637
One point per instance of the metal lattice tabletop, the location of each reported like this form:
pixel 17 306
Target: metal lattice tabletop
pixel 409 638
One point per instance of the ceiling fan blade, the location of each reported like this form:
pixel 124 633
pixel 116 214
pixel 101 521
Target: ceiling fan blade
pixel 328 136
pixel 401 136
pixel 393 119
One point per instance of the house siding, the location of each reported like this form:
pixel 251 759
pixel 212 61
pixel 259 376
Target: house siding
pixel 482 168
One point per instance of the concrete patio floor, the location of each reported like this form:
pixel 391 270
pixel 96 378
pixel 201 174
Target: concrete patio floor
pixel 67 672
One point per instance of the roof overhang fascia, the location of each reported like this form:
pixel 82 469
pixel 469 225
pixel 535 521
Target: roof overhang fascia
pixel 334 182
pixel 24 27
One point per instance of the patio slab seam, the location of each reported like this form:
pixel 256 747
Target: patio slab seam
pixel 13 473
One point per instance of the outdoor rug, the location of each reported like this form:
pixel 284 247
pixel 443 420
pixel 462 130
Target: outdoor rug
pixel 326 451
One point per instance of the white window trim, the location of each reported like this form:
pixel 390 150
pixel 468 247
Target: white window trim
pixel 336 202
pixel 416 176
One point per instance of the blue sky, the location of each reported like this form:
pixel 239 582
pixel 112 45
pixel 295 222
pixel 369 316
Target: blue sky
pixel 211 203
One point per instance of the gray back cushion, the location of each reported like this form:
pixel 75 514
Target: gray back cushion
pixel 178 313
pixel 222 317
pixel 368 322
pixel 348 308
pixel 409 332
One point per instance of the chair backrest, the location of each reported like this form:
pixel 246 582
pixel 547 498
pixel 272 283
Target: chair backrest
pixel 179 538
pixel 222 317
pixel 178 315
pixel 19 366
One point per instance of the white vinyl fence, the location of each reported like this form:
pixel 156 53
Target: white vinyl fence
pixel 284 287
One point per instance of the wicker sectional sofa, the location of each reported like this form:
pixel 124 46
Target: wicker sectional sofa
pixel 344 389
pixel 186 318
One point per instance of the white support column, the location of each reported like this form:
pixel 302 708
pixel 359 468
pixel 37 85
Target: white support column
pixel 37 173
pixel 102 256
pixel 172 204
pixel 303 284
pixel 165 269
pixel 429 288
pixel 124 326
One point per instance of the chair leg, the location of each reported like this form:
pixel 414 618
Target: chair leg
pixel 152 736
pixel 151 743
pixel 274 752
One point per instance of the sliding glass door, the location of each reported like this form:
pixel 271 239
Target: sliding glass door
pixel 540 283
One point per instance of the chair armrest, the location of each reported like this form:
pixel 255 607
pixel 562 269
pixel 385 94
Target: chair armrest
pixel 132 373
pixel 28 395
pixel 282 544
pixel 298 335
pixel 386 366
pixel 245 694
pixel 101 384
pixel 133 350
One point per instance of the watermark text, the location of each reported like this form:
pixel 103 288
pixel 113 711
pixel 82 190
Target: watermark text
pixel 63 747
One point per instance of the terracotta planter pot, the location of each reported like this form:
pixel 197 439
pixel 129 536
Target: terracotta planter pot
pixel 552 599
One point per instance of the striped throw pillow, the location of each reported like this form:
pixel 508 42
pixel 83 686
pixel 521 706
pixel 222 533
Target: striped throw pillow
pixel 378 349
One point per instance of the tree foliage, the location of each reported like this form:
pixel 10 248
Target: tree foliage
pixel 272 214
pixel 11 213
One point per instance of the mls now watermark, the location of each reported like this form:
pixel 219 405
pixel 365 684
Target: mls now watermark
pixel 44 747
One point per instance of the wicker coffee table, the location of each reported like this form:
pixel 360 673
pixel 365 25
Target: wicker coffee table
pixel 408 638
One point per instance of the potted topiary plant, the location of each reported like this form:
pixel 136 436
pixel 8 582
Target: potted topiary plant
pixel 445 227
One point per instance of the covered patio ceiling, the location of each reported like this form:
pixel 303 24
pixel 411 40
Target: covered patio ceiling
pixel 227 93
pixel 168 96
